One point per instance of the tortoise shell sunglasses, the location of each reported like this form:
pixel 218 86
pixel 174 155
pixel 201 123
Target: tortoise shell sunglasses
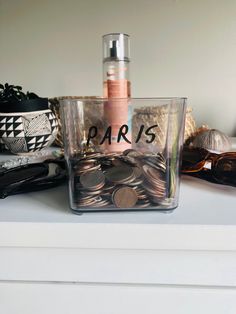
pixel 217 168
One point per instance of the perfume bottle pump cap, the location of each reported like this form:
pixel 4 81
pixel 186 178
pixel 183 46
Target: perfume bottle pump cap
pixel 116 47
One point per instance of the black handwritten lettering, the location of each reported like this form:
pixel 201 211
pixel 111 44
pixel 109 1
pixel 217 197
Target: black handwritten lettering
pixel 139 133
pixel 153 136
pixel 124 129
pixel 92 133
pixel 107 135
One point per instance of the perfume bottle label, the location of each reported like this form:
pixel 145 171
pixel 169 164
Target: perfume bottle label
pixel 117 88
pixel 117 114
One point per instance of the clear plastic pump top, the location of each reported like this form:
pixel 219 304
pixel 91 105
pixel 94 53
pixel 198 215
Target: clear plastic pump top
pixel 116 47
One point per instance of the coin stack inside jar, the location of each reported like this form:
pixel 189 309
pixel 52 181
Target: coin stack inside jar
pixel 132 180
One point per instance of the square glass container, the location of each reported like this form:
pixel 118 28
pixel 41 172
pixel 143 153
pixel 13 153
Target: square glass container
pixel 123 154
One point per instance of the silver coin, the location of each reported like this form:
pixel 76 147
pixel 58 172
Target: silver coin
pixel 86 203
pixel 157 199
pixel 118 162
pixel 140 190
pixel 103 203
pixel 94 155
pixel 108 187
pixel 131 153
pixel 84 198
pixel 156 184
pixel 129 181
pixel 137 172
pixel 144 204
pixel 106 194
pixel 130 161
pixel 152 173
pixel 91 192
pixel 135 182
pixel 91 168
pixel 83 166
pixel 155 192
pixel 86 161
pixel 142 196
pixel 119 174
pixel 157 166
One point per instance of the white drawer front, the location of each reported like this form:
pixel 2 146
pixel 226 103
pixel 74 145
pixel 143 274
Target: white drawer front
pixel 31 298
pixel 119 266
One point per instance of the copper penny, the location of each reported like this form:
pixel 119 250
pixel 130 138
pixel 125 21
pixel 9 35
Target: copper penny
pixel 124 197
pixel 92 179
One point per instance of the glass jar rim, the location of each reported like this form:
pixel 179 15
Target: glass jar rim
pixel 94 98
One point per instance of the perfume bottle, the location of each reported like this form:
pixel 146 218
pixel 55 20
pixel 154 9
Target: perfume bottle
pixel 116 60
pixel 116 88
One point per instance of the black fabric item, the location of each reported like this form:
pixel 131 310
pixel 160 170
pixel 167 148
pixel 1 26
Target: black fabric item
pixel 36 104
pixel 209 176
pixel 33 177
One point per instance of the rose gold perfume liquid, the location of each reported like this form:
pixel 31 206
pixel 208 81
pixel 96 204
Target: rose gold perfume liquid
pixel 116 87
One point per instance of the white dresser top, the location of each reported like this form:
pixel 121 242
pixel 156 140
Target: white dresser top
pixel 205 219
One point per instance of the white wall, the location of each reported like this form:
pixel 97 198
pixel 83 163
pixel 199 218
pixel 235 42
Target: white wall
pixel 179 48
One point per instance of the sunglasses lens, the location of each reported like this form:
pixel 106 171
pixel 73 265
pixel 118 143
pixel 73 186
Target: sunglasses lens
pixel 225 170
pixel 192 156
pixel 193 159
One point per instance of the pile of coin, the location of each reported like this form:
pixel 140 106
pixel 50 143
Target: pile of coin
pixel 129 180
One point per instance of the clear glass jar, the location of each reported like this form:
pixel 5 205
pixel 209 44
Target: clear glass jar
pixel 123 154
